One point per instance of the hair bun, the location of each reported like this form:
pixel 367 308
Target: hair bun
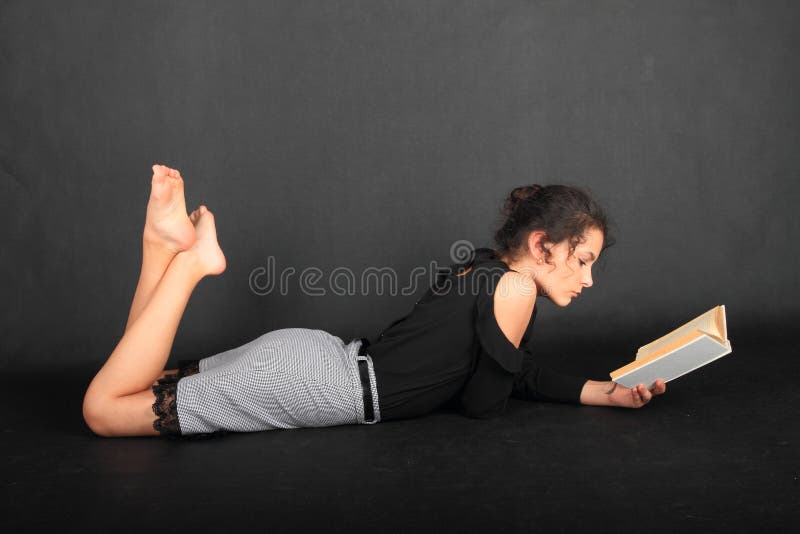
pixel 518 195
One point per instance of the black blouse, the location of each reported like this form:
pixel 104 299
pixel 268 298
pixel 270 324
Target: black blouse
pixel 450 351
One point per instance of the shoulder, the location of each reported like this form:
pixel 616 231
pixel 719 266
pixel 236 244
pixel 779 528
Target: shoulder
pixel 507 307
pixel 514 301
pixel 516 287
pixel 508 286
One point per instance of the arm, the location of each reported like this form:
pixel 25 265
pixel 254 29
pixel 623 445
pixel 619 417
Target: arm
pixel 596 393
pixel 499 330
pixel 535 382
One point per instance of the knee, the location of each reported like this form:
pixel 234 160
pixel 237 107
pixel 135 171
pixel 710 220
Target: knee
pixel 95 413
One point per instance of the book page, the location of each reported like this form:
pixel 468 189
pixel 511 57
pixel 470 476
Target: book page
pixel 711 322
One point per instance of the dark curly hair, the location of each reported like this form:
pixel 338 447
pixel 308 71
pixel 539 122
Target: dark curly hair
pixel 560 211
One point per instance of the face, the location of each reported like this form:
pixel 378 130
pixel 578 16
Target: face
pixel 565 276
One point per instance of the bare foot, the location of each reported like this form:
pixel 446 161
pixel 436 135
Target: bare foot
pixel 167 223
pixel 206 248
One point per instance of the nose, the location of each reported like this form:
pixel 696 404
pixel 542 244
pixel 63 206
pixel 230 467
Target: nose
pixel 587 280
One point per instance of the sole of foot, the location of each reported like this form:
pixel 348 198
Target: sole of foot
pixel 206 248
pixel 167 223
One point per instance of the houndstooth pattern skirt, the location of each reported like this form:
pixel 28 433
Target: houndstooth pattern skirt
pixel 287 378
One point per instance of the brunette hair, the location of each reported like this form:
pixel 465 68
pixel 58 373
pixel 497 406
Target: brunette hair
pixel 560 211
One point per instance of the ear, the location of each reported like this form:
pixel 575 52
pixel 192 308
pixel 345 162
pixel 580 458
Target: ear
pixel 536 242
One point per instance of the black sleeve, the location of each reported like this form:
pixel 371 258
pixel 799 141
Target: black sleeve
pixel 503 370
pixel 488 389
pixel 537 382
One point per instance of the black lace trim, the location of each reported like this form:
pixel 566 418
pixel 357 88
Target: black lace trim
pixel 165 407
pixel 188 367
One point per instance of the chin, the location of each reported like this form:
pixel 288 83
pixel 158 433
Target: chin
pixel 562 303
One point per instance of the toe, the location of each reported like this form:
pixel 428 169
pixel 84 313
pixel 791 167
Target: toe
pixel 159 170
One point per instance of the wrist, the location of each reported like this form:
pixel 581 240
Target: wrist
pixel 597 393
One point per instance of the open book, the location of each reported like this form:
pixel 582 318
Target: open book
pixel 693 345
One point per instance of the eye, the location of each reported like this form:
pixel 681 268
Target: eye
pixel 583 263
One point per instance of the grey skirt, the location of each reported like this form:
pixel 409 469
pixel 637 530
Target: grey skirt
pixel 287 378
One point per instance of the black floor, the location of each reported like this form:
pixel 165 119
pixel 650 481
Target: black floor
pixel 717 453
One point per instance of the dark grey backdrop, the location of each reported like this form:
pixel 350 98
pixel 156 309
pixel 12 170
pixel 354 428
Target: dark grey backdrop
pixel 358 134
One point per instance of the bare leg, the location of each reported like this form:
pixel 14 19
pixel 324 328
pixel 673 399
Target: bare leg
pixel 167 231
pixel 119 399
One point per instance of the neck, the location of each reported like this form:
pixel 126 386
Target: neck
pixel 523 266
pixel 518 266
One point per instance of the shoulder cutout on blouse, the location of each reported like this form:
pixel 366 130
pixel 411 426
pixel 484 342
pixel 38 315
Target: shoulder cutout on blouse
pixel 491 337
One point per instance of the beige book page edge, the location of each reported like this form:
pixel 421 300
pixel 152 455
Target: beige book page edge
pixel 722 322
pixel 712 322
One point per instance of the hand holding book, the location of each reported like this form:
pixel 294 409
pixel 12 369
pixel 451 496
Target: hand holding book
pixel 597 393
pixel 688 347
pixel 637 396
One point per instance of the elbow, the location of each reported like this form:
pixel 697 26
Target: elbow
pixel 482 411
